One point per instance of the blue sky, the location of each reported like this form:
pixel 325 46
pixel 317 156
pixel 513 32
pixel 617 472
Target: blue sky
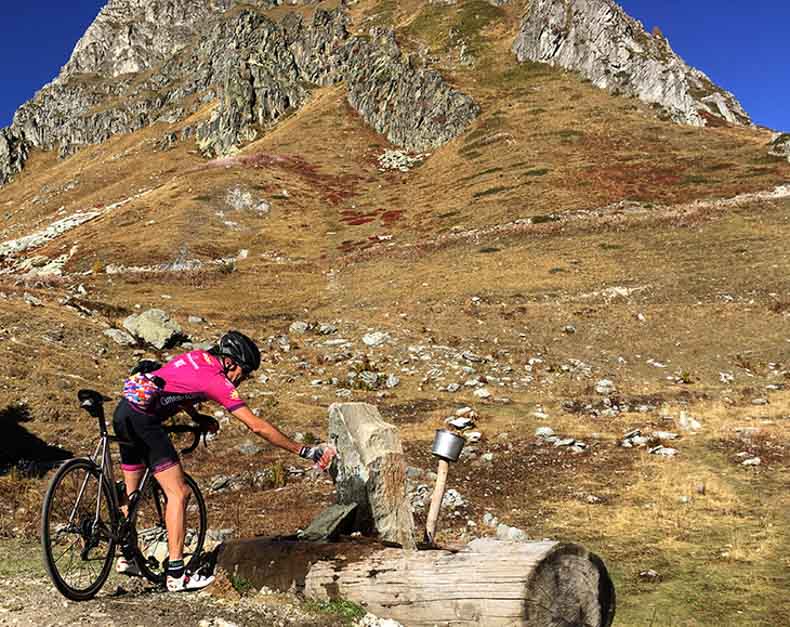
pixel 742 46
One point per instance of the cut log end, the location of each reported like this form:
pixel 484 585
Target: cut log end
pixel 570 586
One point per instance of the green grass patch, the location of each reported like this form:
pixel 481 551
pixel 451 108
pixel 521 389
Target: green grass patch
pixel 441 26
pixel 570 135
pixel 491 192
pixel 341 608
pixel 241 585
pixel 537 172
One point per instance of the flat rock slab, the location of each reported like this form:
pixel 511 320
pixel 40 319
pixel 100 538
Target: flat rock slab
pixel 330 523
pixel 155 327
pixel 371 472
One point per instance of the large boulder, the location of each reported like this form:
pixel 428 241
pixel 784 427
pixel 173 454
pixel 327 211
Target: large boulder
pixel 371 472
pixel 155 327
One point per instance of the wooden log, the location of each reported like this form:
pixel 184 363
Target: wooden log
pixel 488 582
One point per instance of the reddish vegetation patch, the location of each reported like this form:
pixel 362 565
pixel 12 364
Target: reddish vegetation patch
pixel 334 189
pixel 388 217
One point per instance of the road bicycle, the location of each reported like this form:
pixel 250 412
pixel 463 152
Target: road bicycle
pixel 82 523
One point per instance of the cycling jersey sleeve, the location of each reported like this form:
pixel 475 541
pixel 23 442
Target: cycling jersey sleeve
pixel 225 393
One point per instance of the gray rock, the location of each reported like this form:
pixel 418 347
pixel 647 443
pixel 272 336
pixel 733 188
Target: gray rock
pixel 32 300
pixel 376 338
pixel 453 388
pixel 752 461
pixel 155 327
pixel 489 520
pixel 195 320
pixel 371 471
pixel 511 534
pixel 544 432
pixel 453 500
pixel 611 49
pixel 392 381
pixel 605 387
pixel 298 328
pixel 54 230
pixel 248 447
pixel 663 451
pixel 120 337
pixel 688 423
pixel 327 329
pixel 330 523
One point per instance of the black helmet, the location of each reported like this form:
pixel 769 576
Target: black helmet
pixel 240 349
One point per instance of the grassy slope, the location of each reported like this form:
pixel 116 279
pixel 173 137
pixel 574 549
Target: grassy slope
pixel 714 296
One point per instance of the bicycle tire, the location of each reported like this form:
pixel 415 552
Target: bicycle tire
pixel 82 512
pixel 152 539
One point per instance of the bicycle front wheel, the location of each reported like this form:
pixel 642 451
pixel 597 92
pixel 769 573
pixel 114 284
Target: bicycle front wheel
pixel 152 534
pixel 77 520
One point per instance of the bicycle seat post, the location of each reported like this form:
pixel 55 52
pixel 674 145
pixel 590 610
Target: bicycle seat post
pixel 93 402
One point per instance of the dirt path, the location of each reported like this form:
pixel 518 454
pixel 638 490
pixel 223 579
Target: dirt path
pixel 27 598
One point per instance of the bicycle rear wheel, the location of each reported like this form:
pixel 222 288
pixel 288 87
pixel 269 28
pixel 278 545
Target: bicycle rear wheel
pixel 151 532
pixel 77 520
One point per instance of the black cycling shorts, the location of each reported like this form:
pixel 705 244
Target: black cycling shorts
pixel 150 445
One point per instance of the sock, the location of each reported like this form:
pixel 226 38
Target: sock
pixel 175 568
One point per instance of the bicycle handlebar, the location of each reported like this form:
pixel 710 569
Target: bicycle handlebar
pixel 195 431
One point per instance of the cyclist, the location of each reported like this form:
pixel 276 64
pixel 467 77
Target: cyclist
pixel 151 397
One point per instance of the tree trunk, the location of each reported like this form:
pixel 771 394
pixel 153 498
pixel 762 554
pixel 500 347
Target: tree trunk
pixel 489 582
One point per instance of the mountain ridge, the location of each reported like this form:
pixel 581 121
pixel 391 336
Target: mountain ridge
pixel 131 55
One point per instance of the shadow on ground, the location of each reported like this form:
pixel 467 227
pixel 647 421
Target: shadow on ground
pixel 22 450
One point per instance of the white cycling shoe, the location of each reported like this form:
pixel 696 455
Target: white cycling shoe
pixel 188 581
pixel 127 567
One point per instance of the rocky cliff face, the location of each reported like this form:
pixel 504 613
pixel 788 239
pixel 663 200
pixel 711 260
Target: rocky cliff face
pixel 599 40
pixel 142 62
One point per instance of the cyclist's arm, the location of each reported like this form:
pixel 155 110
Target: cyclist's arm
pixel 266 430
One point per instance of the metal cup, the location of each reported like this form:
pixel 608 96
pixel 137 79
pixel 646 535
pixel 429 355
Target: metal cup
pixel 447 445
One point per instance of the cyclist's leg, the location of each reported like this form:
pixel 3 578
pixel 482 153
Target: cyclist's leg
pixel 171 479
pixel 132 455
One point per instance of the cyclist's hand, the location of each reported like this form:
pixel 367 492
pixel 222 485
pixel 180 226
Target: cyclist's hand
pixel 321 456
pixel 207 423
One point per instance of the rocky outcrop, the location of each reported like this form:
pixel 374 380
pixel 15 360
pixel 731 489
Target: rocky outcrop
pixel 142 62
pixel 154 327
pixel 13 154
pixel 780 146
pixel 613 50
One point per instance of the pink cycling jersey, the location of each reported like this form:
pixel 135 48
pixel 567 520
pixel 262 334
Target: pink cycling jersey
pixel 192 378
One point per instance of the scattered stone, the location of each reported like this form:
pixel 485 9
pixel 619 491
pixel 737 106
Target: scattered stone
pixel 453 500
pixel 665 435
pixel 482 393
pixel 32 300
pixel 120 337
pixel 605 387
pixel 371 620
pixel 569 329
pixel 489 520
pixel 649 575
pixel 487 457
pixel 154 327
pixel 392 381
pixel 544 432
pixel 327 329
pixel 460 423
pixel 195 320
pixel 687 423
pixel 473 437
pixel 759 401
pixel 453 388
pixel 592 499
pixel 376 338
pixel 398 160
pixel 752 461
pixel 726 377
pixel 511 534
pixel 248 447
pixel 663 451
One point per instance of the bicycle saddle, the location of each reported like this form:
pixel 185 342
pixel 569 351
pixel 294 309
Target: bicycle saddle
pixel 91 400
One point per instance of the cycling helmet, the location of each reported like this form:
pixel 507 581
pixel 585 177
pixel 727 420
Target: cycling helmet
pixel 241 350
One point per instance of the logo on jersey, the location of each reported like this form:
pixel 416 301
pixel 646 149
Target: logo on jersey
pixel 235 395
pixel 208 358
